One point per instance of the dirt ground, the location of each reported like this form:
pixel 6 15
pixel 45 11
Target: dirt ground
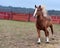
pixel 16 34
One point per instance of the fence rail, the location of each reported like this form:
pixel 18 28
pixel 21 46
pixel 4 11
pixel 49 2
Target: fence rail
pixel 25 17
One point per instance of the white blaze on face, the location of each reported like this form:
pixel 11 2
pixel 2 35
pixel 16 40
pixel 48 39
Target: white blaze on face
pixel 35 12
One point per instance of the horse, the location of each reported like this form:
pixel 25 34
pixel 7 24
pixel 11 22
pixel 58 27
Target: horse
pixel 42 23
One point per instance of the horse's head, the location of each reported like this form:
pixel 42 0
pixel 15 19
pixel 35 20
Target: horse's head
pixel 38 11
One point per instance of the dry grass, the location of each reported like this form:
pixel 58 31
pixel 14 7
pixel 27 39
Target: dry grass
pixel 15 34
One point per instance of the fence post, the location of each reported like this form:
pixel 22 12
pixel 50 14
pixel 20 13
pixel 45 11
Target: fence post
pixel 29 17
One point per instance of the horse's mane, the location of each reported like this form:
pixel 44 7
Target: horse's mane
pixel 44 10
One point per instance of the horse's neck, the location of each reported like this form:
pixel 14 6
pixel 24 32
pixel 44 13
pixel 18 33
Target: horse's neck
pixel 40 18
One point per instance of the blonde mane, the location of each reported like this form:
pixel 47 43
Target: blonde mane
pixel 44 10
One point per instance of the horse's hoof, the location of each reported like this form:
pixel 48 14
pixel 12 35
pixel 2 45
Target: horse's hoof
pixel 38 42
pixel 52 38
pixel 47 42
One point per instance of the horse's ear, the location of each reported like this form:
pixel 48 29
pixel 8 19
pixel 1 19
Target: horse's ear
pixel 35 6
pixel 39 6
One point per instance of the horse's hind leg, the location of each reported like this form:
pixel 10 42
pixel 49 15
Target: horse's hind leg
pixel 39 41
pixel 52 31
pixel 51 26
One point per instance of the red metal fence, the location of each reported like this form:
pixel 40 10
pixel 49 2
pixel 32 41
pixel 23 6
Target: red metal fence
pixel 24 17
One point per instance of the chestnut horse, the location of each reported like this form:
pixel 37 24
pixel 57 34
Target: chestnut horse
pixel 42 23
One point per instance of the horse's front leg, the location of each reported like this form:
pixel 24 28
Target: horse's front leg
pixel 47 35
pixel 39 41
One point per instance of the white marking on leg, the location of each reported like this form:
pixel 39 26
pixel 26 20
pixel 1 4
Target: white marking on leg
pixel 39 41
pixel 47 39
pixel 35 12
